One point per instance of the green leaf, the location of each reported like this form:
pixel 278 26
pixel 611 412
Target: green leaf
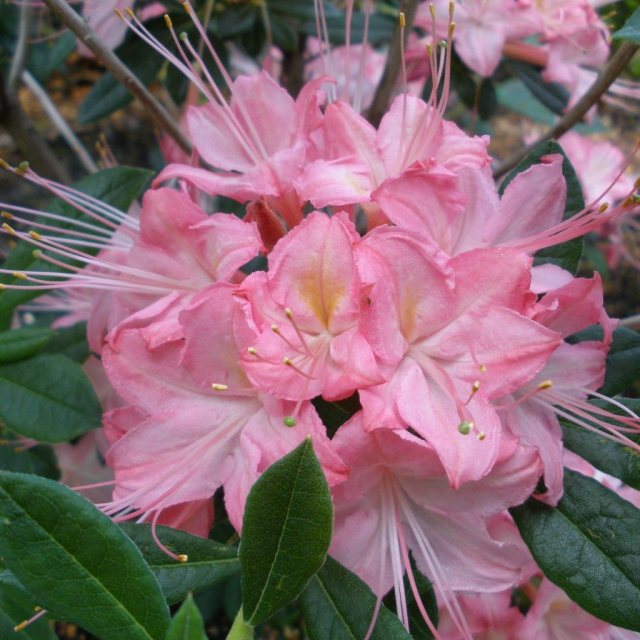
pixel 286 532
pixel 566 255
pixel 631 29
pixel 16 606
pixel 22 343
pixel 70 342
pixel 118 186
pixel 209 561
pixel 553 96
pixel 187 624
pixel 337 605
pixel 615 459
pixel 39 460
pixel 76 562
pixel 240 629
pixel 623 361
pixel 46 57
pixel 588 546
pixel 48 398
pixel 108 94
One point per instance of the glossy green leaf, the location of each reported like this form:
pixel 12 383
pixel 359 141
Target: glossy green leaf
pixel 240 630
pixel 187 624
pixel 588 546
pixel 337 605
pixel 631 29
pixel 48 398
pixel 623 361
pixel 286 532
pixel 617 460
pixel 566 255
pixel 209 561
pixel 23 343
pixel 553 96
pixel 76 562
pixel 118 186
pixel 16 606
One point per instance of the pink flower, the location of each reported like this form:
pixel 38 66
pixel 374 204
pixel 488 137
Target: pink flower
pixel 194 423
pixel 306 314
pixel 397 498
pixel 455 336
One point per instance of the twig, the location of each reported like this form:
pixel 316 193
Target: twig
pixel 21 53
pixel 630 321
pixel 394 60
pixel 59 122
pixel 120 71
pixel 600 85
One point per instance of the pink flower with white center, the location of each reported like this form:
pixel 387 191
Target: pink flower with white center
pixel 305 311
pixel 455 336
pixel 398 499
pixel 194 422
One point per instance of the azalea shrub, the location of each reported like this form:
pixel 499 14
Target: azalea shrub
pixel 327 371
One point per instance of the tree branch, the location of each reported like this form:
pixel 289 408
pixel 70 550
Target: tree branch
pixel 120 71
pixel 394 60
pixel 605 79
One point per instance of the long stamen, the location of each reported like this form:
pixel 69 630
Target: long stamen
pixel 357 105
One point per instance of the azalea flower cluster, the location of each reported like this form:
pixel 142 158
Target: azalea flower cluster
pixel 395 271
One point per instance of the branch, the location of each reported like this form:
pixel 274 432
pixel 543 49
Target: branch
pixel 120 71
pixel 59 122
pixel 394 60
pixel 605 79
pixel 21 53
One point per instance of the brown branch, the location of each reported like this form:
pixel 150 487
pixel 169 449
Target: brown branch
pixel 385 87
pixel 605 79
pixel 120 71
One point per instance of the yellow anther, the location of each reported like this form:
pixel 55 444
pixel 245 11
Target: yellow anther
pixel 429 49
pixel 9 229
pixel 219 387
pixel 183 557
pixel 452 8
pixel 482 368
pixel 119 14
pixel 275 328
pixel 35 235
pixel 481 436
pixel 252 351
pixel 2 287
pixel 20 627
pixel 19 275
pixel 187 7
pixel 603 207
pixel 6 215
pixel 130 13
pixel 475 387
pixel 5 165
pixel 432 10
pixel 287 361
pixel 402 20
pixel 452 29
pixel 288 312
pixel 636 184
pixel 546 384
pixel 167 21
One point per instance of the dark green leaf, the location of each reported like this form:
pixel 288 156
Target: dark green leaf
pixel 302 9
pixel 235 21
pixel 588 546
pixel 552 95
pixel 187 624
pixel 286 532
pixel 76 562
pixel 335 414
pixel 209 561
pixel 631 29
pixel 46 57
pixel 615 459
pixel 17 605
pixel 22 343
pixel 337 605
pixel 48 398
pixel 70 342
pixel 623 361
pixel 118 187
pixel 108 94
pixel 487 99
pixel 566 255
pixel 381 28
pixel 39 460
